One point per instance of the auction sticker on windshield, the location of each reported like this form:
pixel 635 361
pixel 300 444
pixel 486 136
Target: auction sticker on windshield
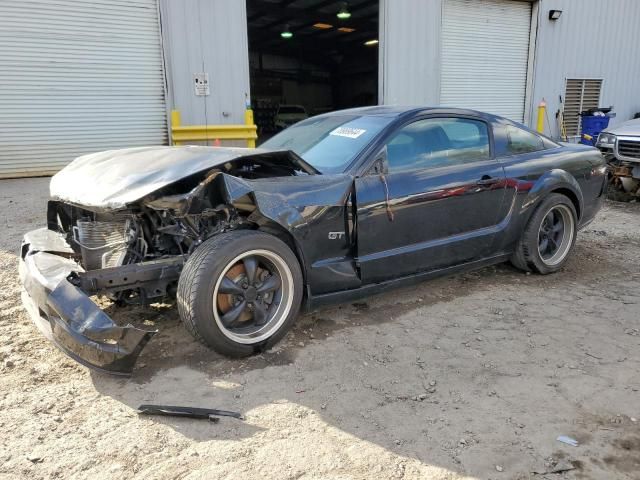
pixel 348 132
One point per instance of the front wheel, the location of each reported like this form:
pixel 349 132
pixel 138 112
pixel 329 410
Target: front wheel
pixel 548 237
pixel 240 292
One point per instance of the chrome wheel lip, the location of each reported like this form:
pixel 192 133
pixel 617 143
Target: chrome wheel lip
pixel 283 308
pixel 567 235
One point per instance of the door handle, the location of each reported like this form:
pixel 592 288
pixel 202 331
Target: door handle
pixel 487 180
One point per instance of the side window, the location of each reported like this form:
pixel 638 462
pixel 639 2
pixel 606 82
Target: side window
pixel 521 141
pixel 438 142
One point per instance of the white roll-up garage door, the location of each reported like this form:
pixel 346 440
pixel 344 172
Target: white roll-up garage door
pixel 77 76
pixel 485 52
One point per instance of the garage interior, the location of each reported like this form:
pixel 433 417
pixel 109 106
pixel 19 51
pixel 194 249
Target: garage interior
pixel 321 55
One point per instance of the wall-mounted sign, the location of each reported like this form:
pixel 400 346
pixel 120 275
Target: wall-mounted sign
pixel 201 84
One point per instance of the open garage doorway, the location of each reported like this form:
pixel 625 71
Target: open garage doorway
pixel 308 57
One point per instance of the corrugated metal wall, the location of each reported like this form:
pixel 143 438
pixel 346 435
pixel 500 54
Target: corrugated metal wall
pixel 485 56
pixel 592 39
pixel 410 51
pixel 77 77
pixel 207 36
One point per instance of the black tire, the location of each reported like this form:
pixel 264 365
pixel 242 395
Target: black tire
pixel 203 277
pixel 528 255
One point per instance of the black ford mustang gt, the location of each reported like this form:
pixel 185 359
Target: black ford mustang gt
pixel 335 207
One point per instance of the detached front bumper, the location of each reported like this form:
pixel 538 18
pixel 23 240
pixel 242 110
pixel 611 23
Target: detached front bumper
pixel 66 315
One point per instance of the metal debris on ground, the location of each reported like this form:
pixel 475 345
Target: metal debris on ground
pixel 568 440
pixel 210 414
pixel 560 467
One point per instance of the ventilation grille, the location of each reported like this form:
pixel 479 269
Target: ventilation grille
pixel 629 148
pixel 581 94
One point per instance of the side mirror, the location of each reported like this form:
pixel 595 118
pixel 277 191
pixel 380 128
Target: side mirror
pixel 380 164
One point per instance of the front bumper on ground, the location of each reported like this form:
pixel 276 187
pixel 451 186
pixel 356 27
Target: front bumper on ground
pixel 66 315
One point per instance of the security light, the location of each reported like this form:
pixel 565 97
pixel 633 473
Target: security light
pixel 286 33
pixel 554 14
pixel 371 43
pixel 344 12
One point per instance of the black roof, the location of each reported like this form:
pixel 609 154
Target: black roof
pixel 402 110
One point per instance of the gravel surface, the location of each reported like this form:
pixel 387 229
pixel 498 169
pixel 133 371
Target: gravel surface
pixel 472 376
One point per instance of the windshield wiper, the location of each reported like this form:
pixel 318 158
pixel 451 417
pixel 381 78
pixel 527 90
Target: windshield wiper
pixel 306 167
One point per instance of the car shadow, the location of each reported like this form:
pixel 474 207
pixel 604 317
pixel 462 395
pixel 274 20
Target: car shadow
pixel 359 369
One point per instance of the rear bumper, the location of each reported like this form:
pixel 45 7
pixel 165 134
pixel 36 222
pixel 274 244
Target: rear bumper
pixel 66 315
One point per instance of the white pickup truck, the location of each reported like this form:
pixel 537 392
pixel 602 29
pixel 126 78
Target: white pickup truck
pixel 620 145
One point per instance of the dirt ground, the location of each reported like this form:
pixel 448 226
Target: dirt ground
pixel 473 376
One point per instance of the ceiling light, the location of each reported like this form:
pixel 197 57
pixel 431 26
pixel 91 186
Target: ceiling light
pixel 322 26
pixel 371 43
pixel 344 12
pixel 286 33
pixel 346 29
pixel 554 14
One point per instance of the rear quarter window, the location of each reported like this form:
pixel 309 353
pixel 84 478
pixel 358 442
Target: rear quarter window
pixel 521 141
pixel 518 141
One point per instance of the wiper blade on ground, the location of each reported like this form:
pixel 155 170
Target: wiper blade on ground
pixel 210 414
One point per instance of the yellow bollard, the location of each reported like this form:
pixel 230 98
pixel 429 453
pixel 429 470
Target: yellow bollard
pixel 542 109
pixel 183 134
pixel 175 122
pixel 248 120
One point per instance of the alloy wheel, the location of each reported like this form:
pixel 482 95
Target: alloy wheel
pixel 253 296
pixel 555 235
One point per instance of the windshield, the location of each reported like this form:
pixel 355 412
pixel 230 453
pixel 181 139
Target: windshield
pixel 329 143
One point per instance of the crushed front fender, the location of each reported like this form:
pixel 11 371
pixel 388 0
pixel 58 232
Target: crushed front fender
pixel 66 315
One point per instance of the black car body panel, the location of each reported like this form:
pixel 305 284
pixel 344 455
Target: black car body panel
pixel 128 175
pixel 354 233
pixel 66 315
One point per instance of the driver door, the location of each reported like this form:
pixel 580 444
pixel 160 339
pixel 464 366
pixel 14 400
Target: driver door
pixel 435 202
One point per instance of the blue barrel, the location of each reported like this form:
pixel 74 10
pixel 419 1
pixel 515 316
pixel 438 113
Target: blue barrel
pixel 592 125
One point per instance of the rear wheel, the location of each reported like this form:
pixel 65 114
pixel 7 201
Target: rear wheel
pixel 549 236
pixel 240 292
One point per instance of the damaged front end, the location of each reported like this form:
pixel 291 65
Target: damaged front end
pixel 130 251
pixel 64 312
pixel 622 154
pixel 624 180
pixel 56 291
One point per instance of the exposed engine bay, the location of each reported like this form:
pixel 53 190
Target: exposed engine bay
pixel 135 254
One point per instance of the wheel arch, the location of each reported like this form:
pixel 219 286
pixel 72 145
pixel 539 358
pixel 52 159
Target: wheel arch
pixel 567 192
pixel 272 228
pixel 555 181
pixel 274 217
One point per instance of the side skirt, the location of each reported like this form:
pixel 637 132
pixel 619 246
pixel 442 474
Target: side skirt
pixel 313 302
